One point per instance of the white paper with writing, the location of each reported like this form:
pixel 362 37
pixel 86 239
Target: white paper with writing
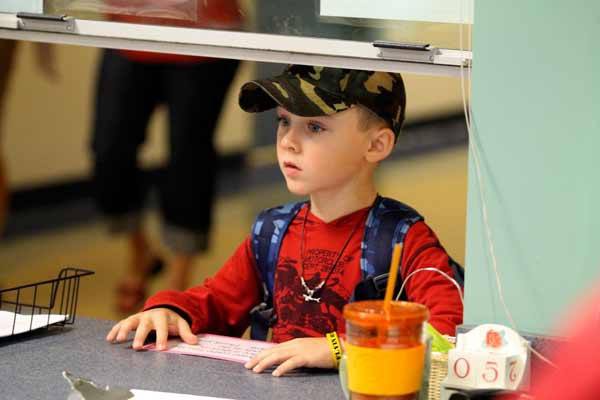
pixel 219 347
pixel 24 323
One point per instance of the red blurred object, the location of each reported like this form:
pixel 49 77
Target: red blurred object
pixel 577 375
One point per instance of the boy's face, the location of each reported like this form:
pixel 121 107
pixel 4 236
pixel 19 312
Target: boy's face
pixel 320 154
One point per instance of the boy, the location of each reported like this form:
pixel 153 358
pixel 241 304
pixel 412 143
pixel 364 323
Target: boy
pixel 335 126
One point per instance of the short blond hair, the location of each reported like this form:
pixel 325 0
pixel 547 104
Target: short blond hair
pixel 367 119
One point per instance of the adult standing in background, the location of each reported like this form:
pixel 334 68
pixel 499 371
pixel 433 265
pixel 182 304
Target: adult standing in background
pixel 45 61
pixel 131 85
pixel 7 52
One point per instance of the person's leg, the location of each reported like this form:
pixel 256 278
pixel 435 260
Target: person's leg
pixel 143 262
pixel 124 102
pixel 7 52
pixel 195 95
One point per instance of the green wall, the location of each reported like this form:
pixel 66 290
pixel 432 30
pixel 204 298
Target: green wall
pixel 536 120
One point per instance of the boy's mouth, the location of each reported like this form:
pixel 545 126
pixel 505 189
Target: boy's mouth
pixel 290 165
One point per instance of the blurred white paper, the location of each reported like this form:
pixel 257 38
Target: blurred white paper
pixel 150 395
pixel 219 347
pixel 15 6
pixel 23 323
pixel 449 11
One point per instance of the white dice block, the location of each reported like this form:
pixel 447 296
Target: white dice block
pixel 488 357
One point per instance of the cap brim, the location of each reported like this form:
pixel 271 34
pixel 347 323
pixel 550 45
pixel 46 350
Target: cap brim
pixel 265 94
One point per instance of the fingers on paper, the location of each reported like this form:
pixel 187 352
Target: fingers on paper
pixel 287 355
pixel 163 321
pixel 185 332
pixel 289 365
pixel 141 333
pixel 161 325
pixel 274 358
pixel 302 352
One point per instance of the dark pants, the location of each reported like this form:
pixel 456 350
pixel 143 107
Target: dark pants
pixel 127 94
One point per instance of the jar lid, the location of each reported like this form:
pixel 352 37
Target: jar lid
pixel 372 312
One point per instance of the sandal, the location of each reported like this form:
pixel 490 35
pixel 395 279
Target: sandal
pixel 131 294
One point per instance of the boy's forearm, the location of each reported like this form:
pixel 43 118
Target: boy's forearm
pixel 222 303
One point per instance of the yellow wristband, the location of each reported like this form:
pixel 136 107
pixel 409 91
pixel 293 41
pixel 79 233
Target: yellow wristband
pixel 336 348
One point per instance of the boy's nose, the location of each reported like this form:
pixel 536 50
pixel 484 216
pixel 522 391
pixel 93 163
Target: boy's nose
pixel 289 141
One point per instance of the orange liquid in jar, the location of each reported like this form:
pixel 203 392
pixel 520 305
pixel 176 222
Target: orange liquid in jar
pixel 385 349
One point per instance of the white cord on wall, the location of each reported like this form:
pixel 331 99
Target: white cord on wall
pixel 475 153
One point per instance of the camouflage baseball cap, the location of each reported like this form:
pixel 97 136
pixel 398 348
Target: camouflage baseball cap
pixel 316 91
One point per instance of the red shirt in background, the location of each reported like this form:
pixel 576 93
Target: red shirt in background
pixel 209 14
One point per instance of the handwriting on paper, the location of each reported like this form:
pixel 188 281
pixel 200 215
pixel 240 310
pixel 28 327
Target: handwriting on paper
pixel 219 347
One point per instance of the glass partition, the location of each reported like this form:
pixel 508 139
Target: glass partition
pixel 417 36
pixel 437 25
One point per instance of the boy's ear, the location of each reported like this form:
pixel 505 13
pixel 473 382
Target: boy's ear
pixel 382 142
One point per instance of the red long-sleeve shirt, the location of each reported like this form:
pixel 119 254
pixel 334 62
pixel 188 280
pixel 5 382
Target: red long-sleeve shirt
pixel 222 303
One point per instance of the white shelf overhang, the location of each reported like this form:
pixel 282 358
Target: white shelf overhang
pixel 231 44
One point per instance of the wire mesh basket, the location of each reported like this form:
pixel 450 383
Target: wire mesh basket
pixel 41 304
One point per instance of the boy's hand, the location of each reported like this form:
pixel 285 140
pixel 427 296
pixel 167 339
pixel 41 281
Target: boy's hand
pixel 303 352
pixel 164 321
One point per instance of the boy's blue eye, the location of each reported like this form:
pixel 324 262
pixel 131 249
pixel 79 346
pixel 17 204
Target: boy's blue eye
pixel 315 128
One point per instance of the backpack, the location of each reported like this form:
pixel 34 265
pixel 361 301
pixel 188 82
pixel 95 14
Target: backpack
pixel 387 224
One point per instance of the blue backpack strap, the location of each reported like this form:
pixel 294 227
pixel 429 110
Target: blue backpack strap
pixel 387 224
pixel 267 234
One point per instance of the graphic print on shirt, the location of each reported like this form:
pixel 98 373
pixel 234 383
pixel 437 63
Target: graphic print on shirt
pixel 299 318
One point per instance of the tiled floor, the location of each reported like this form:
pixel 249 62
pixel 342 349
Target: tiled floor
pixel 435 183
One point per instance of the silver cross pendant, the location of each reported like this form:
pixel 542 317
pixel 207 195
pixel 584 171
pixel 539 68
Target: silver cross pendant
pixel 309 293
pixel 309 297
